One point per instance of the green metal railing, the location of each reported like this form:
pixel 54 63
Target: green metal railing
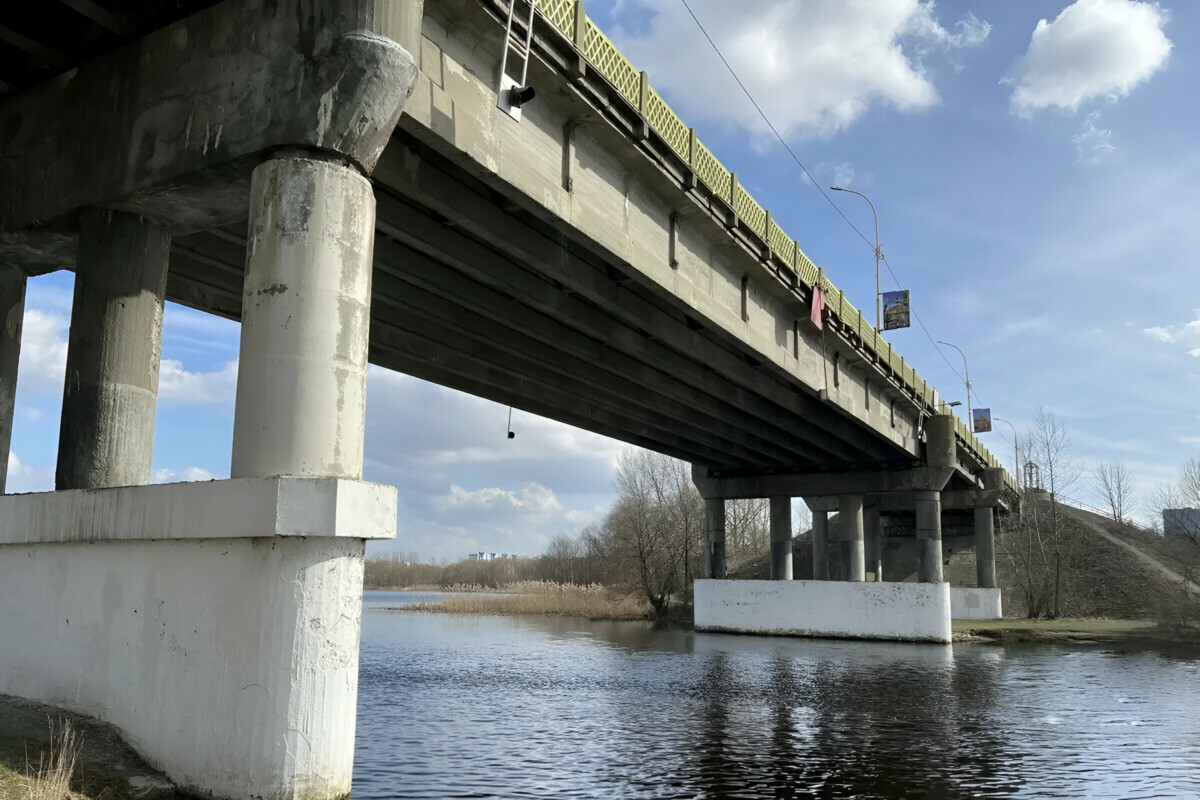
pixel 570 18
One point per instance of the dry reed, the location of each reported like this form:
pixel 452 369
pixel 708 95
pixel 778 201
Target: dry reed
pixel 542 597
pixel 51 778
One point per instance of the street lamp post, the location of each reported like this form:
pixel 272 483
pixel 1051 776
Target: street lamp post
pixel 966 372
pixel 878 257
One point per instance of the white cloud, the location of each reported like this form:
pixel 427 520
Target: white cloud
pixel 21 478
pixel 188 475
pixel 43 359
pixel 1188 334
pixel 815 67
pixel 532 500
pixel 1093 49
pixel 1092 144
pixel 177 385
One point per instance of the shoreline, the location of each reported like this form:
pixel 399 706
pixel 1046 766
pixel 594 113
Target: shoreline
pixel 1085 631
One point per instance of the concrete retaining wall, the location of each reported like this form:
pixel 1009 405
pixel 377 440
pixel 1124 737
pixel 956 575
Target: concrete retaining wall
pixel 918 612
pixel 216 624
pixel 968 602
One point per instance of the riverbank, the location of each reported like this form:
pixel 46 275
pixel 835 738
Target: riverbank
pixel 1133 633
pixel 538 598
pixel 104 767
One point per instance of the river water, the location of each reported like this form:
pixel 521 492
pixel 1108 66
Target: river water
pixel 517 707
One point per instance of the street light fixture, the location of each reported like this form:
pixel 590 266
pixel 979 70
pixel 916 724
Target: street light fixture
pixel 968 378
pixel 878 256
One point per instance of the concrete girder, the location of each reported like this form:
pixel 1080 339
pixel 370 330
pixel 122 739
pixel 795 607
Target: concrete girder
pixel 820 484
pixel 952 500
pixel 415 230
pixel 411 169
pixel 168 125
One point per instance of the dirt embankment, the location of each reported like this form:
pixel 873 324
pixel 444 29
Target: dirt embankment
pixel 106 768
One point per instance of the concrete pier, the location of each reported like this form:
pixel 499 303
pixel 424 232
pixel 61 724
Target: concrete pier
pixel 820 541
pixel 714 547
pixel 873 540
pixel 929 536
pixel 12 314
pixel 985 549
pixel 781 538
pixel 301 391
pixel 850 514
pixel 106 437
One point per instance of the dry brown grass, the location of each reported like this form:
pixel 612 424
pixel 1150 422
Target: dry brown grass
pixel 50 779
pixel 542 597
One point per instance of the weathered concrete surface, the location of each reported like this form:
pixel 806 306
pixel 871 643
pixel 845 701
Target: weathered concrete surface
pixel 850 515
pixel 929 536
pixel 225 652
pixel 12 315
pixel 820 533
pixel 714 539
pixel 968 602
pixel 735 487
pixel 873 540
pixel 238 508
pixel 110 394
pixel 159 125
pixel 570 161
pixel 904 611
pixel 985 548
pixel 781 538
pixel 302 373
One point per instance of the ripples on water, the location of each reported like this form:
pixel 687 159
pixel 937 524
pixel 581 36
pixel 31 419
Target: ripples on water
pixel 474 706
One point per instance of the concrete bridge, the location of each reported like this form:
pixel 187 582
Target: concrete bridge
pixel 349 180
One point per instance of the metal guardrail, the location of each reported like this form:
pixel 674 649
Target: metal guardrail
pixel 570 18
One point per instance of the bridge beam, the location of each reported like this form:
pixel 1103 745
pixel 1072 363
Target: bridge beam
pixel 781 538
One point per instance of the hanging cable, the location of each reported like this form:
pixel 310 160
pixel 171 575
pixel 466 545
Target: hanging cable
pixel 814 182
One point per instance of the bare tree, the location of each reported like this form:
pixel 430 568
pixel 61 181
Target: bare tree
pixel 747 529
pixel 1181 495
pixel 1112 482
pixel 1050 449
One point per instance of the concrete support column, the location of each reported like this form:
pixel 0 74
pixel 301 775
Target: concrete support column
pixel 12 313
pixel 929 536
pixel 850 512
pixel 781 538
pixel 985 549
pixel 714 545
pixel 820 542
pixel 106 437
pixel 873 540
pixel 301 390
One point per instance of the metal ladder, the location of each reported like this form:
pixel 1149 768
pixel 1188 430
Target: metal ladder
pixel 513 94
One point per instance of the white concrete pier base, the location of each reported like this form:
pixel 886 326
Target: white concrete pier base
pixel 968 602
pixel 215 624
pixel 916 612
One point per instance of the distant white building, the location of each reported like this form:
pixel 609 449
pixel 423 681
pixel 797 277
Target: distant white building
pixel 1181 521
pixel 489 556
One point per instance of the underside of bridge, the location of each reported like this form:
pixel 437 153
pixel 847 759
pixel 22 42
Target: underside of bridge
pixel 472 292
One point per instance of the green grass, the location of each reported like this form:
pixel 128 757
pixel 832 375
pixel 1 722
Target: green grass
pixel 1076 630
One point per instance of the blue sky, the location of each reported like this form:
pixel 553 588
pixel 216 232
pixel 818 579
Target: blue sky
pixel 1034 167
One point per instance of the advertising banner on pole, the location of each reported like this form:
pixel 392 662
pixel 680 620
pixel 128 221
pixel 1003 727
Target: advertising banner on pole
pixel 981 420
pixel 895 310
